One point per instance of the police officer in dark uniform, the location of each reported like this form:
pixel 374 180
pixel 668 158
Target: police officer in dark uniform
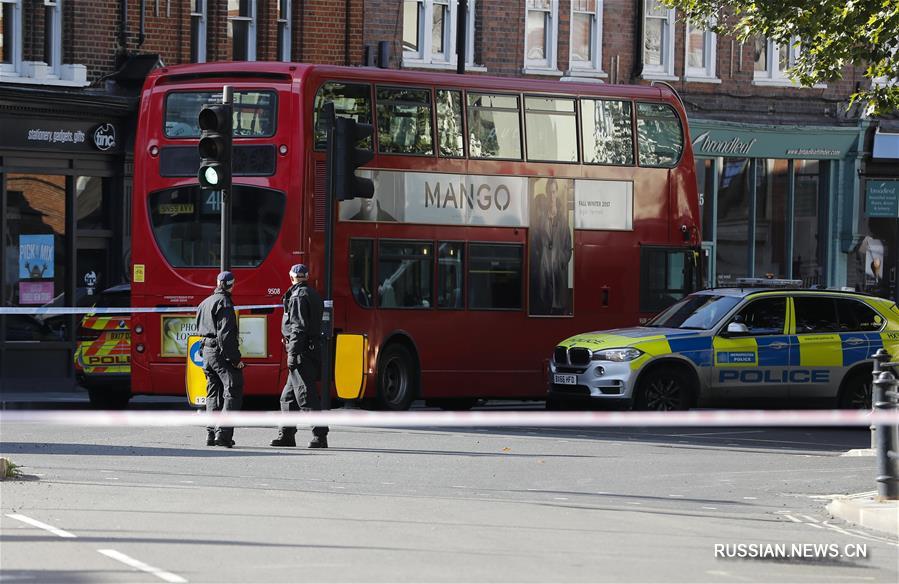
pixel 301 328
pixel 217 324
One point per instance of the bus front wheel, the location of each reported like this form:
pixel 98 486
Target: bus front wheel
pixel 396 378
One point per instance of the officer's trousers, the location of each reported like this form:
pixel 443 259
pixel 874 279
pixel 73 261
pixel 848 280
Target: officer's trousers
pixel 224 387
pixel 300 393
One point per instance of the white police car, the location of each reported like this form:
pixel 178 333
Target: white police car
pixel 733 343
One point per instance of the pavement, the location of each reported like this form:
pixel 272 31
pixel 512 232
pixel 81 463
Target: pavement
pixel 866 510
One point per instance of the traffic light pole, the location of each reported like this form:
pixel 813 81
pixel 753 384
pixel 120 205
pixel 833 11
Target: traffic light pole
pixel 327 316
pixel 225 255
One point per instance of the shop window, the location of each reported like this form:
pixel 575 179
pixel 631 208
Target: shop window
pixel 242 29
pixel 450 263
pixel 551 129
pixel 732 226
pixel 606 131
pixel 493 126
pixel 495 276
pixel 450 136
pixel 809 221
pixel 284 27
pixel 362 272
pixel 93 204
pixel 198 27
pixel 36 254
pixel 429 32
pixel 586 36
pixel 771 217
pixel 701 53
pixel 541 35
pixel 404 121
pixel 658 40
pixel 405 274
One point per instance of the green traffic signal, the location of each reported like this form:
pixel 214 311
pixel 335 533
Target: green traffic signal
pixel 211 175
pixel 215 122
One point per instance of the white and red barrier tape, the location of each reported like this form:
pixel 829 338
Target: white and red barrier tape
pixel 43 310
pixel 476 419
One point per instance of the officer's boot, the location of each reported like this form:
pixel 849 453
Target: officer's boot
pixel 210 437
pixel 318 442
pixel 284 439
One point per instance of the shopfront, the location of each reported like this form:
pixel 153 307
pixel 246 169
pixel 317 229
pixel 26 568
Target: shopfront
pixel 64 223
pixel 777 201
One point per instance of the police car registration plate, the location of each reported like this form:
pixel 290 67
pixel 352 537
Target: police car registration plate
pixel 565 379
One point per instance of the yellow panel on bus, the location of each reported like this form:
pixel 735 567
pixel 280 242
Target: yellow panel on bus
pixel 349 365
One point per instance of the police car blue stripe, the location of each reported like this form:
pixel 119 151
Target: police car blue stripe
pixel 696 349
pixel 852 354
pixel 771 357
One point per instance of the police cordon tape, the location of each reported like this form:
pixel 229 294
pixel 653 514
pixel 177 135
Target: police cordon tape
pixel 121 310
pixel 476 419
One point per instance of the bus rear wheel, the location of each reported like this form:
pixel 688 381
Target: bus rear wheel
pixel 397 385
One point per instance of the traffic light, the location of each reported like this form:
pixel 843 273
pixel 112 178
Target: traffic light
pixel 215 146
pixel 348 157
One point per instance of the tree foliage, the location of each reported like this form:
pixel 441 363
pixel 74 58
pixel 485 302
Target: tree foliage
pixel 831 34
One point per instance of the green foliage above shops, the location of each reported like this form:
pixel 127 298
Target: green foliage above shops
pixel 831 34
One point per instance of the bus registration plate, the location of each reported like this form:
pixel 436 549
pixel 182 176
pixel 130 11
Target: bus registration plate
pixel 565 379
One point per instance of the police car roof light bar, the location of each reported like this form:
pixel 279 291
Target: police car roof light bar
pixel 768 283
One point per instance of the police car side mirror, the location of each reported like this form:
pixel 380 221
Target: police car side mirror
pixel 735 329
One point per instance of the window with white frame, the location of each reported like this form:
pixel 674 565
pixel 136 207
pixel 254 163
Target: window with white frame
pixel 658 40
pixel 586 35
pixel 53 37
pixel 284 30
pixel 429 32
pixel 198 31
pixel 541 34
pixel 10 36
pixel 772 60
pixel 242 29
pixel 701 56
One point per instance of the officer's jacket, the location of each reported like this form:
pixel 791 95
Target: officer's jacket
pixel 302 322
pixel 216 320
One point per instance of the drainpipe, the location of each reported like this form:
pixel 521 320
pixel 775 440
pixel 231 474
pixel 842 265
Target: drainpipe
pixel 637 68
pixel 121 52
pixel 141 37
pixel 346 32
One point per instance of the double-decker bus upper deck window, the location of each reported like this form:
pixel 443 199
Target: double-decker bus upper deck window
pixel 606 131
pixel 450 258
pixel 551 129
pixel 362 271
pixel 660 137
pixel 351 100
pixel 450 136
pixel 495 276
pixel 186 224
pixel 405 274
pixel 404 121
pixel 494 128
pixel 255 113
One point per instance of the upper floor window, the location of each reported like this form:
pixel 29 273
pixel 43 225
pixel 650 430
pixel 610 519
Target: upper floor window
pixel 10 36
pixel 701 55
pixel 658 40
pixel 53 36
pixel 429 32
pixel 198 31
pixel 772 60
pixel 284 30
pixel 242 29
pixel 541 34
pixel 586 35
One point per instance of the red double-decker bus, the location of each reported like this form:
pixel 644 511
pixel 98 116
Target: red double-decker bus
pixel 508 214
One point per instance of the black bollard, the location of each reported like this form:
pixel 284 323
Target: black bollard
pixel 883 398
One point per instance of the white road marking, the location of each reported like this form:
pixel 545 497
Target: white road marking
pixel 815 525
pixel 187 482
pixel 676 496
pixel 791 518
pixel 812 519
pixel 722 433
pixel 41 525
pixel 560 498
pixel 137 564
pixel 634 503
pixel 388 483
pixel 111 478
pixel 751 498
pixel 711 508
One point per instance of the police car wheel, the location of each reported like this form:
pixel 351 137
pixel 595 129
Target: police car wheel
pixel 663 391
pixel 856 392
pixel 396 378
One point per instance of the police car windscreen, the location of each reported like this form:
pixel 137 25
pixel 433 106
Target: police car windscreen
pixel 697 312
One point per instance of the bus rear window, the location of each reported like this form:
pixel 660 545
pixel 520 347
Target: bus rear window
pixel 660 138
pixel 186 223
pixel 255 113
